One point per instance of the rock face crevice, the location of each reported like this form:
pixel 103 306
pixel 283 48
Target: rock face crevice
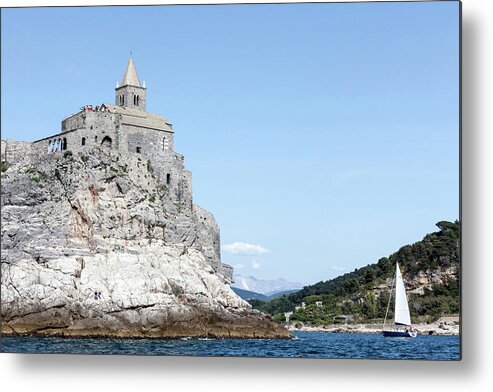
pixel 93 245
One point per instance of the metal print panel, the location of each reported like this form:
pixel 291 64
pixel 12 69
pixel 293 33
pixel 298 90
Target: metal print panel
pixel 324 145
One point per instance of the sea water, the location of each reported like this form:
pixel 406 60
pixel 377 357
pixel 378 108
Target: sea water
pixel 305 345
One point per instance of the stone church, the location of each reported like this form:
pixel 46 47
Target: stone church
pixel 126 131
pixel 125 128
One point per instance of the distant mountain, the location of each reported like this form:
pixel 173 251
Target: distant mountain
pixel 266 287
pixel 249 295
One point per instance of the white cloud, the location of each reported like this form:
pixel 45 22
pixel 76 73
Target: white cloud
pixel 244 248
pixel 256 265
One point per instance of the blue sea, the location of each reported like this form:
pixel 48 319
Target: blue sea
pixel 305 345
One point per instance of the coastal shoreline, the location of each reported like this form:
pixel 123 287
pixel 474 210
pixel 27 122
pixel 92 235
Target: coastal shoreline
pixel 437 328
pixel 251 328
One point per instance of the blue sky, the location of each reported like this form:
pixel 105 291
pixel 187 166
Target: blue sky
pixel 321 136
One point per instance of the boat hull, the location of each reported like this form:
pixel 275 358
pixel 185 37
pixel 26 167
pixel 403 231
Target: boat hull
pixel 399 334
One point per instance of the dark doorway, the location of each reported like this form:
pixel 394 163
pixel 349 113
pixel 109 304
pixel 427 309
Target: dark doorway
pixel 106 143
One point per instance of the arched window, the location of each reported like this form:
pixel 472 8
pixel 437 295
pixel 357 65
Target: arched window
pixel 64 146
pixel 96 138
pixel 106 143
pixel 50 146
pixel 137 100
pixel 168 179
pixel 83 141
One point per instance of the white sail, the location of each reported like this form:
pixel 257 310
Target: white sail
pixel 401 312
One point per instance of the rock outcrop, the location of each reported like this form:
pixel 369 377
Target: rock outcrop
pixel 93 244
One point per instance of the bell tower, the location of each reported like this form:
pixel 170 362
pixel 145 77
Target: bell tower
pixel 130 92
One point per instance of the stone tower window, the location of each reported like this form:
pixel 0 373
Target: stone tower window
pixel 96 138
pixel 136 100
pixel 138 150
pixel 168 179
pixel 83 141
pixel 64 143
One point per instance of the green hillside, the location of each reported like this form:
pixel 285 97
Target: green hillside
pixel 430 270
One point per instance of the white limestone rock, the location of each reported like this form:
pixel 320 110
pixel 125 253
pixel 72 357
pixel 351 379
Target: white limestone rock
pixel 89 249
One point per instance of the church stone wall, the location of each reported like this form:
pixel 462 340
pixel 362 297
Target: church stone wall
pixel 156 147
pixel 176 179
pixel 13 151
pixel 98 126
pixel 84 130
pixel 153 143
pixel 77 121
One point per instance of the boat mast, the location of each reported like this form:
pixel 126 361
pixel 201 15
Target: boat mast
pixel 388 303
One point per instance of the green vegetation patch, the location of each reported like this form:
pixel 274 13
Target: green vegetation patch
pixel 363 295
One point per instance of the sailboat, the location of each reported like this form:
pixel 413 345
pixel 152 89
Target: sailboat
pixel 402 318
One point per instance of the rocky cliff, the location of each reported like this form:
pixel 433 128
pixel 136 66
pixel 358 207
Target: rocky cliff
pixel 93 244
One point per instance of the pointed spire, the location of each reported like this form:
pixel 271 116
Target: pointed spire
pixel 130 77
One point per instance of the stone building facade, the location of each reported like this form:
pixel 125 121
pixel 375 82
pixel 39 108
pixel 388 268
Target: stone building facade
pixel 125 128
